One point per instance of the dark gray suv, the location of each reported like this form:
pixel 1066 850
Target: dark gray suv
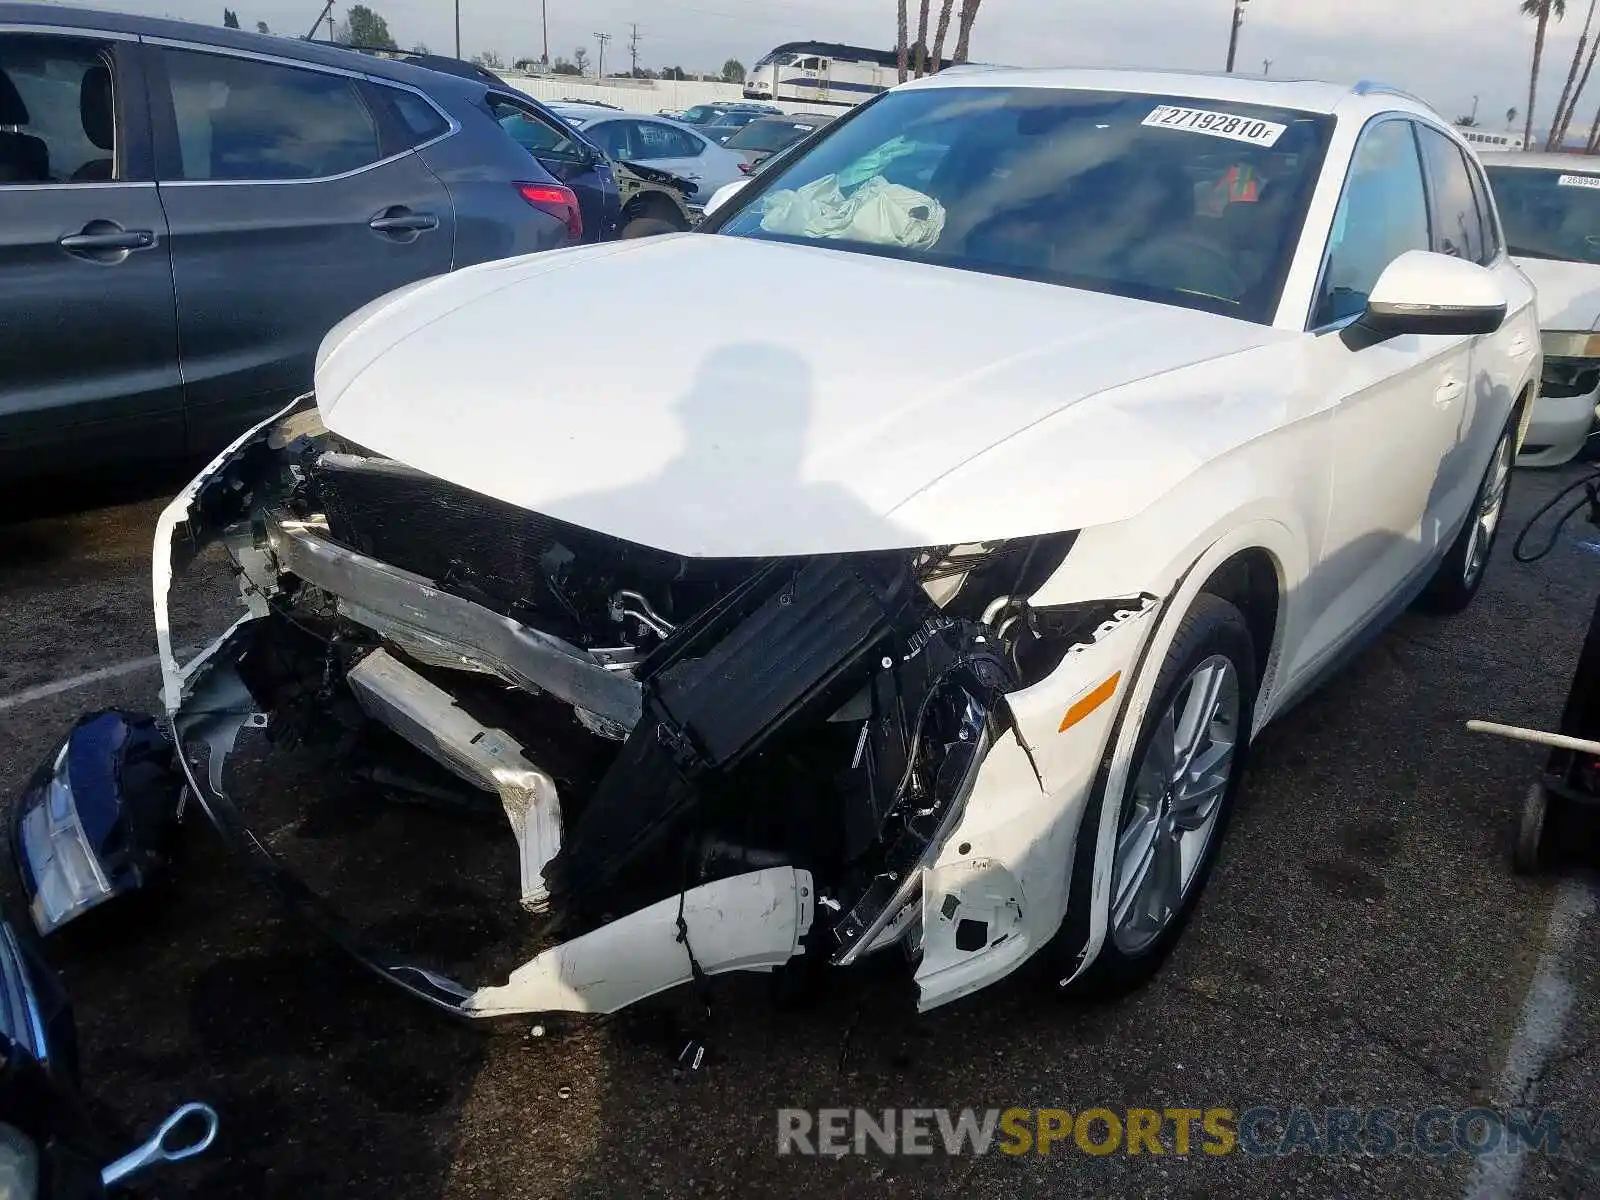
pixel 185 211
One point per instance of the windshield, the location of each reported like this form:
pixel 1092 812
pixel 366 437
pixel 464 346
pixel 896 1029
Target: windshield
pixel 1549 214
pixel 766 136
pixel 1189 202
pixel 701 113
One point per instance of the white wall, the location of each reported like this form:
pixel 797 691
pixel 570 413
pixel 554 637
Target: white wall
pixel 639 95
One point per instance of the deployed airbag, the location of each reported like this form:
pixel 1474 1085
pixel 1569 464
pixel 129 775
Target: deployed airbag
pixel 878 212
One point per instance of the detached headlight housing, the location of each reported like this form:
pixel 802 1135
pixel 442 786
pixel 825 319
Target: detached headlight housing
pixel 95 819
pixel 60 869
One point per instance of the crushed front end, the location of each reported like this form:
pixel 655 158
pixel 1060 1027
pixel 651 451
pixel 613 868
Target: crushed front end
pixel 705 764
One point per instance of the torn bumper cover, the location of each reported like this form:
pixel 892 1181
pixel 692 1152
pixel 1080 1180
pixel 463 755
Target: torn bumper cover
pixel 706 765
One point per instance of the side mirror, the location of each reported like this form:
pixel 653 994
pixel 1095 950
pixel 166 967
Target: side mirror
pixel 1427 293
pixel 723 194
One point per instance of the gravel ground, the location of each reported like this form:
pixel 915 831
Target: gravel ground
pixel 1363 944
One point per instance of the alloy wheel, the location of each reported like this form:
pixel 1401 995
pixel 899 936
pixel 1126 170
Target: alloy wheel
pixel 1172 807
pixel 1491 504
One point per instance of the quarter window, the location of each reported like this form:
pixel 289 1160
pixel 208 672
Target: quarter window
pixel 421 119
pixel 1457 228
pixel 1383 213
pixel 240 119
pixel 57 110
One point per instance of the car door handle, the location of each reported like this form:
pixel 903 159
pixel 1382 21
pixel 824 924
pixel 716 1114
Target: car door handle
pixel 403 222
pixel 1448 392
pixel 106 241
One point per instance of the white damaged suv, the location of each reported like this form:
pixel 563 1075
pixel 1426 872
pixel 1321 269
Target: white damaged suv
pixel 939 620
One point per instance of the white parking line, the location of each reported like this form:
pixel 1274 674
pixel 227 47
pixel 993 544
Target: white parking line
pixel 1539 1029
pixel 55 688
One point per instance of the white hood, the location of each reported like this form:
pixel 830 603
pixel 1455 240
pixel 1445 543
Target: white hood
pixel 719 396
pixel 1569 293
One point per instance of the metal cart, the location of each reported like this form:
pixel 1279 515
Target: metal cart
pixel 1567 795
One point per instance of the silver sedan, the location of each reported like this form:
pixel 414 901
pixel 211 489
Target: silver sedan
pixel 656 142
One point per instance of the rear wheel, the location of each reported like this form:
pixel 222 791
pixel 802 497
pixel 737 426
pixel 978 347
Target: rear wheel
pixel 1177 800
pixel 1460 573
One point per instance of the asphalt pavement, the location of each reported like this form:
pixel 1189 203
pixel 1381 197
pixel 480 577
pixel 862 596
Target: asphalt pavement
pixel 1363 945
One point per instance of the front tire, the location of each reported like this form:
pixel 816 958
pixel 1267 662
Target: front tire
pixel 1177 799
pixel 1461 571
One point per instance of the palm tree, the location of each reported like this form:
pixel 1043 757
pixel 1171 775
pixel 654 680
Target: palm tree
pixel 1541 11
pixel 945 8
pixel 900 46
pixel 1573 88
pixel 922 39
pixel 969 14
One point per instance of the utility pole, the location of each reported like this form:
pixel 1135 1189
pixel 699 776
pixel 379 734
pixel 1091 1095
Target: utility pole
pixel 458 28
pixel 600 66
pixel 1233 34
pixel 1266 67
pixel 633 48
pixel 1474 110
pixel 544 24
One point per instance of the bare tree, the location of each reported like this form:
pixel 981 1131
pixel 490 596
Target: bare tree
pixel 945 8
pixel 900 45
pixel 969 14
pixel 1572 90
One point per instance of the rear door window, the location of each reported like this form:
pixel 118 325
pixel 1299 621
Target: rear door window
pixel 243 119
pixel 1457 225
pixel 654 140
pixel 1492 241
pixel 57 111
pixel 541 136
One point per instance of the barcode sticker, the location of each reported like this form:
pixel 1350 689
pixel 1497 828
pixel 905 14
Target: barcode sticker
pixel 1589 181
pixel 1216 124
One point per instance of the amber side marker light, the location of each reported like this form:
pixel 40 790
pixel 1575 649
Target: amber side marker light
pixel 1086 704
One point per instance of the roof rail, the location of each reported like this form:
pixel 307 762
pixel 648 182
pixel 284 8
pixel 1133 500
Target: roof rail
pixel 1374 87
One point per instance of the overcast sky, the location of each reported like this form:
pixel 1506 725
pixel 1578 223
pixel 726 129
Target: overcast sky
pixel 1444 51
